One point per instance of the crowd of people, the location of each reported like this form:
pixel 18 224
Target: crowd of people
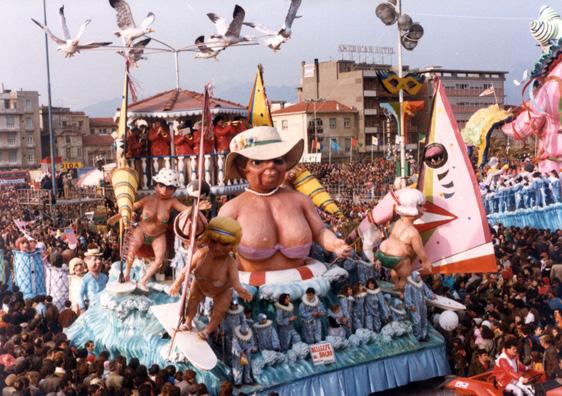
pixel 519 306
pixel 519 187
pixel 155 138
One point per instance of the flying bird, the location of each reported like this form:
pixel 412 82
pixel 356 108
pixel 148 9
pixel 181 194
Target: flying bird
pixel 70 46
pixel 134 54
pixel 128 30
pixel 229 34
pixel 207 51
pixel 282 35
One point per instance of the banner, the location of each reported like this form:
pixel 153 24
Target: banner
pixel 311 158
pixel 322 353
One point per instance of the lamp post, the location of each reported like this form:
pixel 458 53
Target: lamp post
pixel 409 33
pixel 50 116
pixel 314 101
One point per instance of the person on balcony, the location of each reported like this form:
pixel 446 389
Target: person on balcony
pixel 159 138
pixel 133 143
pixel 224 132
pixel 208 141
pixel 183 140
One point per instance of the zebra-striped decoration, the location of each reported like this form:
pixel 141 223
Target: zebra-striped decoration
pixel 546 13
pixel 543 32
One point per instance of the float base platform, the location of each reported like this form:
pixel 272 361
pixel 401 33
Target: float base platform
pixel 548 217
pixel 358 370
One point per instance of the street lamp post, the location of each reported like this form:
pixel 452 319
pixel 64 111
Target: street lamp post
pixel 314 101
pixel 50 116
pixel 409 33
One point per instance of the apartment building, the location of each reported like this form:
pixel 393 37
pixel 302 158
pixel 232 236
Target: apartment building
pixel 334 121
pixel 357 85
pixel 19 129
pixel 463 88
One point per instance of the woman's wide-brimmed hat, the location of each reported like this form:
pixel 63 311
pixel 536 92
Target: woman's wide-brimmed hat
pixel 167 177
pixel 182 225
pixel 262 143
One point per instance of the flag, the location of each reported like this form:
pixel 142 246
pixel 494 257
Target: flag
pixel 259 113
pixel 354 142
pixel 315 145
pixel 70 237
pixel 334 145
pixel 489 91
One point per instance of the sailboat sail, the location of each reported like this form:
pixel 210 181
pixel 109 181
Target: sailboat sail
pixel 454 227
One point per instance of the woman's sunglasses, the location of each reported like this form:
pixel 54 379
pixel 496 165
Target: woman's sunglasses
pixel 276 161
pixel 166 187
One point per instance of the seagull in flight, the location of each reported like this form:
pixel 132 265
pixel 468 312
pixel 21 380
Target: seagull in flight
pixel 282 35
pixel 70 46
pixel 207 51
pixel 128 30
pixel 229 33
pixel 134 54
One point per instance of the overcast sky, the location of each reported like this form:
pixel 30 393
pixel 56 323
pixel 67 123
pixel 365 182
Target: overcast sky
pixel 485 34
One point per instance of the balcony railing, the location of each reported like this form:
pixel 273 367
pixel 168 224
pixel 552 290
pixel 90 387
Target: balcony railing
pixel 186 166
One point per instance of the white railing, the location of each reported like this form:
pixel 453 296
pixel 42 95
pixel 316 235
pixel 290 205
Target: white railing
pixel 186 166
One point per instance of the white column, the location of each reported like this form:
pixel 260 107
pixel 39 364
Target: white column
pixel 144 175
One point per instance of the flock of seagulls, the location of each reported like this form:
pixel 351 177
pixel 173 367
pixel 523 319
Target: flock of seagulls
pixel 135 39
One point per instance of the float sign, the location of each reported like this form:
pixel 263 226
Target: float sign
pixel 322 353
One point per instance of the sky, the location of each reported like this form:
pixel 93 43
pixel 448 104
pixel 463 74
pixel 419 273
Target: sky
pixel 477 34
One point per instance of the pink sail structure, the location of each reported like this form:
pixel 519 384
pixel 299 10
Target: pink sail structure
pixel 541 117
pixel 454 227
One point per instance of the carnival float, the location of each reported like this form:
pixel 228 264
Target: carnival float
pixel 296 308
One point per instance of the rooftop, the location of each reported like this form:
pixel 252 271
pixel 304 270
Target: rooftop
pixel 181 103
pixel 326 106
pixel 102 122
pixel 97 140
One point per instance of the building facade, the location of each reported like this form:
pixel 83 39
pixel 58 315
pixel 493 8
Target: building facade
pixel 463 89
pixel 69 127
pixel 19 129
pixel 334 121
pixel 357 85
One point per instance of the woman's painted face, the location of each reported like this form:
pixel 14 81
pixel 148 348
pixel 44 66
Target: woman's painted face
pixel 265 175
pixel 165 191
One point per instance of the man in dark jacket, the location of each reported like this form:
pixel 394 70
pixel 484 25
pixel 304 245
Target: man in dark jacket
pixel 550 356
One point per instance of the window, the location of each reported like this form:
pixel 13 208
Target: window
pixel 12 137
pixel 68 153
pixel 461 86
pixel 315 127
pixel 333 123
pixel 347 145
pixel 10 104
pixel 275 124
pixel 67 139
pixel 64 123
pixel 284 124
pixel 28 105
pixel 80 124
pixel 30 157
pixel 11 122
pixel 29 123
pixel 29 140
pixel 486 86
pixel 347 122
pixel 79 152
pixel 12 156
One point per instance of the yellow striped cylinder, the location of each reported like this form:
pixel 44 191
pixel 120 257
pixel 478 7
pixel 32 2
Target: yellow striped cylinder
pixel 125 183
pixel 309 185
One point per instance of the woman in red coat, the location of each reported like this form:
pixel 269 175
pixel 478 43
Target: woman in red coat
pixel 159 138
pixel 208 142
pixel 510 370
pixel 223 134
pixel 184 142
